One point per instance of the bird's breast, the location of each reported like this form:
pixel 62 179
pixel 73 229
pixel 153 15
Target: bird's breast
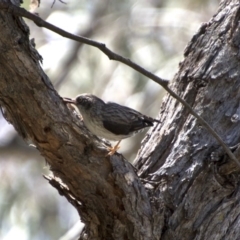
pixel 95 126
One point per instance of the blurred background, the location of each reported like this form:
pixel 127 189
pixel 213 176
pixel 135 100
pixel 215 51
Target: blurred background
pixel 153 33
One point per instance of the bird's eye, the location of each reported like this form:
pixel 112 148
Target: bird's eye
pixel 84 102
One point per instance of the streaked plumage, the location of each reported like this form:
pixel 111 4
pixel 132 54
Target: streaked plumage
pixel 110 120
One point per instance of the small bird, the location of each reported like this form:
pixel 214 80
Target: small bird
pixel 110 120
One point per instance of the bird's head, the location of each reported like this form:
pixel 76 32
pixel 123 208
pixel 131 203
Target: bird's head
pixel 85 101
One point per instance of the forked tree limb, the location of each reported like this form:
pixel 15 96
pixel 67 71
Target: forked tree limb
pixel 15 10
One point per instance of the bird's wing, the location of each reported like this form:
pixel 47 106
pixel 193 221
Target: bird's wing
pixel 122 120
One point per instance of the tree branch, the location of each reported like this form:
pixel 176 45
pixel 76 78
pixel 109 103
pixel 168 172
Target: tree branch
pixel 113 56
pixel 106 191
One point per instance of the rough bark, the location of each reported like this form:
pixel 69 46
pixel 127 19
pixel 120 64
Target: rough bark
pixel 187 187
pixel 106 191
pixel 195 179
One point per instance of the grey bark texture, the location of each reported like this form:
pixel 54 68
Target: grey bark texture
pixel 184 186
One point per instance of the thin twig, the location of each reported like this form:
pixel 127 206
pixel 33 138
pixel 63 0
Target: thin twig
pixel 113 56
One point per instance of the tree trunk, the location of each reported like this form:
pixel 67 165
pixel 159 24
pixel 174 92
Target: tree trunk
pixel 186 186
pixel 195 180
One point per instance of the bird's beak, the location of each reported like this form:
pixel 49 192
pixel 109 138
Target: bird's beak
pixel 69 100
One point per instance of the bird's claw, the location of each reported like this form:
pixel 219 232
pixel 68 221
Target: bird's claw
pixel 112 150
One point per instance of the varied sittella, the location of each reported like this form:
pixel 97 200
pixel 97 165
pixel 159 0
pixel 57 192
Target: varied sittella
pixel 110 120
